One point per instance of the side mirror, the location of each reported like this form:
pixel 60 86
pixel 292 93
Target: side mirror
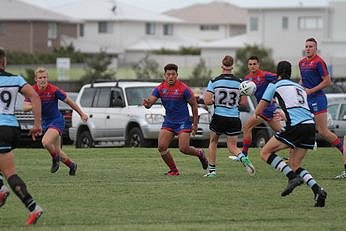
pixel 344 117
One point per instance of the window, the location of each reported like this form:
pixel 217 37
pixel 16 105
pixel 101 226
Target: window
pixel 309 23
pixel 103 97
pixel 105 27
pixel 117 99
pixel 253 24
pixel 284 23
pixel 150 28
pixel 135 95
pixel 342 112
pixel 209 27
pixel 168 29
pixel 52 30
pixel 88 97
pixel 81 30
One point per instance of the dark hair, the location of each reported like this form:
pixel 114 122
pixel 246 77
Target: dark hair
pixel 227 61
pixel 171 66
pixel 253 58
pixel 311 40
pixel 284 70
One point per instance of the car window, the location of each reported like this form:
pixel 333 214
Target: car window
pixel 87 97
pixel 135 95
pixel 117 99
pixel 103 97
pixel 333 109
pixel 342 111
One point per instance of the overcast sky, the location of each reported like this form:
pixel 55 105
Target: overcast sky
pixel 164 5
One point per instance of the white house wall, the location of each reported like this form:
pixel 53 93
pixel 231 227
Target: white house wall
pixel 285 44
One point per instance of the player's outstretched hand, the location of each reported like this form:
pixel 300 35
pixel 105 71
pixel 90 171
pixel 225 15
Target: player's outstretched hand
pixel 146 103
pixel 35 132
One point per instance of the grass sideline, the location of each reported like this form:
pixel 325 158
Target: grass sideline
pixel 125 189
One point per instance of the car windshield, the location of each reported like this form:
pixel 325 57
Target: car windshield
pixel 135 95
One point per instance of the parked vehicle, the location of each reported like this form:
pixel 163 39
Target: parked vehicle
pixel 66 111
pixel 116 116
pixel 337 110
pixel 260 134
pixel 26 121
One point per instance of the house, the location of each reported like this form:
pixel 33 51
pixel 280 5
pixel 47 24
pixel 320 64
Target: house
pixel 26 27
pixel 284 26
pixel 125 31
pixel 210 21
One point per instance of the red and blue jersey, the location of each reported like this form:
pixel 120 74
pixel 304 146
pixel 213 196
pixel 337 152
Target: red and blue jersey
pixel 49 100
pixel 261 79
pixel 174 99
pixel 311 71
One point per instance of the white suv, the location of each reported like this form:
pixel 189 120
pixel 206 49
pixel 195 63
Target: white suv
pixel 116 116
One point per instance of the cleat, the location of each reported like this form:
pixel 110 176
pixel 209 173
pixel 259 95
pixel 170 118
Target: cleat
pixel 203 159
pixel 73 169
pixel 34 216
pixel 342 175
pixel 210 174
pixel 234 158
pixel 292 184
pixel 320 198
pixel 172 173
pixel 4 193
pixel 248 165
pixel 55 164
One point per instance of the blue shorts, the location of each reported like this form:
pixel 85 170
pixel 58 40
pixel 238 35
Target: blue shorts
pixel 268 112
pixel 317 103
pixel 56 123
pixel 177 127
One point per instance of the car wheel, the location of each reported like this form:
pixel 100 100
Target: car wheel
pixel 136 139
pixel 261 138
pixel 84 140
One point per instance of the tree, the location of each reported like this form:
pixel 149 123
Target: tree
pixel 147 69
pixel 98 68
pixel 200 75
pixel 242 55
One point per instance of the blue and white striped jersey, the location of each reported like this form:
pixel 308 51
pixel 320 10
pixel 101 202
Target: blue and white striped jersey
pixel 292 99
pixel 9 87
pixel 226 92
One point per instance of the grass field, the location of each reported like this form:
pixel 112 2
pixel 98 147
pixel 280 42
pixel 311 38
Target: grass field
pixel 125 189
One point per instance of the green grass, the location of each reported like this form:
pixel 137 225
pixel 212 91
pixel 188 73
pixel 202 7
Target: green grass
pixel 125 189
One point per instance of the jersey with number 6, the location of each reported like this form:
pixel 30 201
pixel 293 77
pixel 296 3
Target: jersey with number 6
pixel 226 92
pixel 9 87
pixel 292 99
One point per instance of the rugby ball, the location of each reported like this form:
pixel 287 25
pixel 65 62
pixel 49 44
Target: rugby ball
pixel 247 87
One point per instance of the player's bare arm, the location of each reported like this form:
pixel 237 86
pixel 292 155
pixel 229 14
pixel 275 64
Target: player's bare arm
pixel 208 98
pixel 260 107
pixel 326 82
pixel 194 107
pixel 30 93
pixel 84 117
pixel 148 102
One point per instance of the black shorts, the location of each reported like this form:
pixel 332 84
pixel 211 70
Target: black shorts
pixel 9 137
pixel 231 126
pixel 300 136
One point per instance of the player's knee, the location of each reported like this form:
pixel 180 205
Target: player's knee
pixel 184 149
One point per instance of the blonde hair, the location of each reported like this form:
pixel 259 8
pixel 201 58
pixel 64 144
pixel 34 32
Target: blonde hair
pixel 41 70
